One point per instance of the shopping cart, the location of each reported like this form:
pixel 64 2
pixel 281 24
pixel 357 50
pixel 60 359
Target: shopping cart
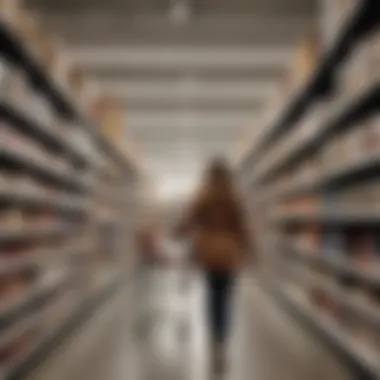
pixel 157 283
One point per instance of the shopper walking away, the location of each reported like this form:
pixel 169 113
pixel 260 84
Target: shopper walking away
pixel 216 223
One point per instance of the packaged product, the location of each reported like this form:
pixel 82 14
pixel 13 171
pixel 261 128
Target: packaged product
pixel 352 195
pixel 306 61
pixel 15 286
pixel 62 67
pixel 368 195
pixel 333 244
pixel 18 348
pixel 12 219
pixel 311 238
pixel 361 247
pixel 319 295
pixel 8 180
pixel 50 52
pixel 317 298
pixel 334 307
pixel 308 204
pixel 76 82
pixel 359 143
pixel 371 136
pixel 340 152
pixel 345 150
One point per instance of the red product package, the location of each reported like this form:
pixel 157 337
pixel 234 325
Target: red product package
pixel 362 247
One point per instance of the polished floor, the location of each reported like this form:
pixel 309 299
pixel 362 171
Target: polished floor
pixel 154 329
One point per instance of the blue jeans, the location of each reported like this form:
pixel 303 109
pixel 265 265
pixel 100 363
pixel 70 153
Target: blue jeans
pixel 220 286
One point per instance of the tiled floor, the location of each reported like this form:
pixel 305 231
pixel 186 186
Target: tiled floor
pixel 170 344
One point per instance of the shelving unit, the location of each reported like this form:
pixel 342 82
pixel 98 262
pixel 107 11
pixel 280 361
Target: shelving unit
pixel 313 185
pixel 363 363
pixel 66 215
pixel 360 22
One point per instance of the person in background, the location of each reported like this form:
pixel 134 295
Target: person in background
pixel 216 224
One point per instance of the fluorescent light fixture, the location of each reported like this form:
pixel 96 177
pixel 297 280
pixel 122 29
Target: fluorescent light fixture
pixel 180 12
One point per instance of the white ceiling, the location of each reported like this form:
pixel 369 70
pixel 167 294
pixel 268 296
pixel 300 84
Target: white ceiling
pixel 189 90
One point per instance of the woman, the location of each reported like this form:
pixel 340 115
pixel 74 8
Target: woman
pixel 216 223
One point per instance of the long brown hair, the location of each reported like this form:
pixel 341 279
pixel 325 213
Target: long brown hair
pixel 219 179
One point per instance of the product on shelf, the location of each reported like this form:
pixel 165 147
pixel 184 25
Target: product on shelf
pixel 15 286
pixel 18 348
pixel 11 219
pixel 310 238
pixel 306 204
pixel 361 247
pixel 76 82
pixel 343 150
pixel 371 137
pixel 306 61
pixel 318 297
pixel 333 243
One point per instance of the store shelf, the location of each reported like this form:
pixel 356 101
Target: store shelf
pixel 39 168
pixel 334 261
pixel 46 346
pixel 370 315
pixel 36 200
pixel 14 48
pixel 363 364
pixel 47 198
pixel 364 20
pixel 361 169
pixel 16 51
pixel 35 232
pixel 38 258
pixel 16 331
pixel 13 312
pixel 14 265
pixel 29 125
pixel 349 215
pixel 357 108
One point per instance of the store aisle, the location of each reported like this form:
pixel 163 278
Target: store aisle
pixel 266 345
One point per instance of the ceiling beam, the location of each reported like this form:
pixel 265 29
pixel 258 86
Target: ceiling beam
pixel 194 106
pixel 188 91
pixel 102 27
pixel 91 57
pixel 183 121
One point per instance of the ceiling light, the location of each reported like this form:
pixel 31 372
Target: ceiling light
pixel 180 12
